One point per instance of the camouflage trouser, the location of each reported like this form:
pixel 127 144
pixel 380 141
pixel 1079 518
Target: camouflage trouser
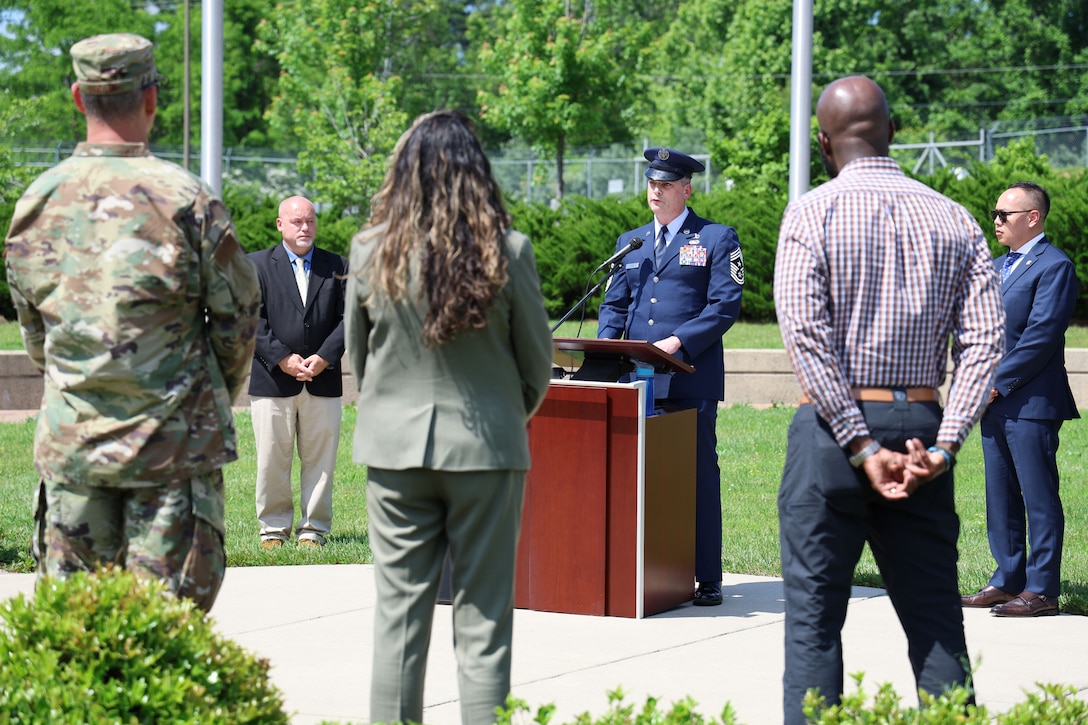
pixel 173 532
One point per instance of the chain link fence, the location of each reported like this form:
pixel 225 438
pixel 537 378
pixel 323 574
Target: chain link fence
pixel 591 173
pixel 1063 140
pixel 266 171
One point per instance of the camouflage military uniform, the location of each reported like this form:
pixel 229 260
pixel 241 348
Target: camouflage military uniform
pixel 139 305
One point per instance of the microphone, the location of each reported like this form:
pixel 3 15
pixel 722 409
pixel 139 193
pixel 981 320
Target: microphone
pixel 634 244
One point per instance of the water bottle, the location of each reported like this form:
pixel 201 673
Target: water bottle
pixel 646 373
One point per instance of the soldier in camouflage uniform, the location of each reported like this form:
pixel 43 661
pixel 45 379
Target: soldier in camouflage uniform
pixel 138 303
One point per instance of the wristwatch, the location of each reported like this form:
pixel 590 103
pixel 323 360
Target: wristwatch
pixel 859 458
pixel 949 456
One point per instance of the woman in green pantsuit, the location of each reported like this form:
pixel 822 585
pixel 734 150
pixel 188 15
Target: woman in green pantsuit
pixel 449 343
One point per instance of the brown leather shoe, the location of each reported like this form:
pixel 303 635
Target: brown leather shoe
pixel 1027 604
pixel 986 597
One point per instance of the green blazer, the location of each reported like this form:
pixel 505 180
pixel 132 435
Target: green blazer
pixel 460 406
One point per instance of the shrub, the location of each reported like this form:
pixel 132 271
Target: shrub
pixel 254 217
pixel 620 713
pixel 570 241
pixel 113 648
pixel 573 239
pixel 7 307
pixel 1055 704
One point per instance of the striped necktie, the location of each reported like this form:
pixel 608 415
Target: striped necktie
pixel 659 247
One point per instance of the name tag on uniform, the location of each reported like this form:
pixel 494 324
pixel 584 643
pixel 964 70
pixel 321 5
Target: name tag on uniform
pixel 631 265
pixel 693 255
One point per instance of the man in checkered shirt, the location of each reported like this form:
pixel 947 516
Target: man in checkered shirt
pixel 875 273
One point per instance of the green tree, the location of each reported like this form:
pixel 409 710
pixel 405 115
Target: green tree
pixel 36 66
pixel 561 76
pixel 745 111
pixel 970 63
pixel 15 115
pixel 685 53
pixel 249 75
pixel 947 66
pixel 352 76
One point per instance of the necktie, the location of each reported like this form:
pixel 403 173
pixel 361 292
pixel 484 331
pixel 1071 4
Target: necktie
pixel 1010 260
pixel 301 280
pixel 659 247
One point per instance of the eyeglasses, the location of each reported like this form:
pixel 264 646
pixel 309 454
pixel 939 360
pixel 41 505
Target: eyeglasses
pixel 1004 215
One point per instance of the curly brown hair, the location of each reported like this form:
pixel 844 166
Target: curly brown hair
pixel 441 205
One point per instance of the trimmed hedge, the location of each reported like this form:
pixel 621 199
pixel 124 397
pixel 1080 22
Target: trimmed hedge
pixel 110 647
pixel 571 240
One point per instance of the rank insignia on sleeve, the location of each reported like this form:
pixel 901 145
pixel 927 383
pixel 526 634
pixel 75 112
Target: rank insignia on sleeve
pixel 736 266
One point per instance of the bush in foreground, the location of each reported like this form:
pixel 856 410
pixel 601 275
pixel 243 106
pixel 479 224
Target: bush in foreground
pixel 114 648
pixel 1052 704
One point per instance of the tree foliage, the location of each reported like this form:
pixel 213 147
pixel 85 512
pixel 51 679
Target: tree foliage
pixel 36 66
pixel 249 76
pixel 341 80
pixel 561 76
pixel 351 80
pixel 947 66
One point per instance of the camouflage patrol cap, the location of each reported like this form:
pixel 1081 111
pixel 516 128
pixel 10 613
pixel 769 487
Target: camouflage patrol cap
pixel 107 65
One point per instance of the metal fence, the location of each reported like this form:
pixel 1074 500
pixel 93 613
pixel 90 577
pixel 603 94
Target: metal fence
pixel 263 170
pixel 591 173
pixel 1063 140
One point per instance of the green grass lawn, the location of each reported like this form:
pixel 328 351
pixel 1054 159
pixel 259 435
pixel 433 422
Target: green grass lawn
pixel 752 447
pixel 10 339
pixel 742 336
pixel 765 335
pixel 349 544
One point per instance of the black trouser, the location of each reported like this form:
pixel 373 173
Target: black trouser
pixel 827 511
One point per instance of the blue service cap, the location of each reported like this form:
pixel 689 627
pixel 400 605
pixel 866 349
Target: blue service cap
pixel 670 164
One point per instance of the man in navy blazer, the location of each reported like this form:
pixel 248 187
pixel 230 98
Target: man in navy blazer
pixel 1029 401
pixel 295 384
pixel 681 291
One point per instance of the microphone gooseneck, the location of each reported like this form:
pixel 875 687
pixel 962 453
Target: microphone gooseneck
pixel 634 244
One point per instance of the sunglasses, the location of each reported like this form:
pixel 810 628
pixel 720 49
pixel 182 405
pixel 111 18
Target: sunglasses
pixel 996 214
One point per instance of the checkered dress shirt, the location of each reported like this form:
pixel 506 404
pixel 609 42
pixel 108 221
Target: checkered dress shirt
pixel 874 273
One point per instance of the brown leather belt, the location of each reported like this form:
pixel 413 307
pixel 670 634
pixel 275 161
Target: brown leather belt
pixel 886 395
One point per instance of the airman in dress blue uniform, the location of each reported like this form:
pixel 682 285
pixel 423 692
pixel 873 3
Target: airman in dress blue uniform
pixel 681 290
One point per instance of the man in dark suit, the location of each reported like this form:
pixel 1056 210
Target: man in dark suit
pixel 1029 401
pixel 681 290
pixel 295 384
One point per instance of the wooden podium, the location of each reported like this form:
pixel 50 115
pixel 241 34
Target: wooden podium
pixel 608 525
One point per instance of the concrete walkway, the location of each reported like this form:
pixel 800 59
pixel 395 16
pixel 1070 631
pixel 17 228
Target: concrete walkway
pixel 314 625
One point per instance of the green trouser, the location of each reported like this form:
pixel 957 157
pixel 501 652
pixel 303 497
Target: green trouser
pixel 173 532
pixel 414 516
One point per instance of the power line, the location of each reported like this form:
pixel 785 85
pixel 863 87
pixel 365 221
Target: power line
pixel 880 73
